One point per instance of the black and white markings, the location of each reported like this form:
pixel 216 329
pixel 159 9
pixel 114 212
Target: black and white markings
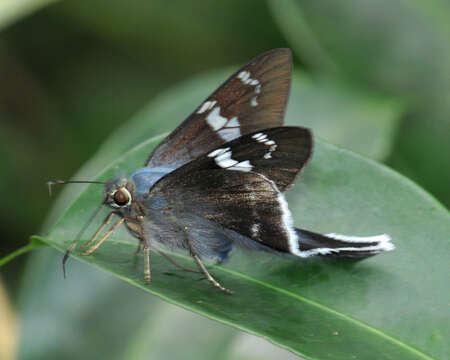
pixel 226 128
pixel 287 224
pixel 218 122
pixel 206 106
pixel 245 77
pixel 262 138
pixel 222 157
pixel 255 230
pixel 347 244
pixel 240 127
pixel 352 246
pixel 375 244
pixel 255 100
pixel 382 242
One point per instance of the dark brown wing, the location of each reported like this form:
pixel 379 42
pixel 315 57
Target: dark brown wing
pixel 238 187
pixel 252 99
pixel 279 154
pixel 243 202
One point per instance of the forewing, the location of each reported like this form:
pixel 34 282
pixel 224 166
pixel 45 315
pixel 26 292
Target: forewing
pixel 278 154
pixel 253 98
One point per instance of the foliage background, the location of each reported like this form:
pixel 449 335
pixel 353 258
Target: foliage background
pixel 73 72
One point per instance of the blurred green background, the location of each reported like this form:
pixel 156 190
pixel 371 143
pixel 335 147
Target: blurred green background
pixel 371 76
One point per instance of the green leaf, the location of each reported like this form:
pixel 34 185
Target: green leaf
pixel 319 308
pixel 33 244
pixel 164 336
pixel 220 45
pixel 91 313
pixel 12 10
pixel 398 47
pixel 344 115
pixel 148 325
pixel 424 163
pixel 76 311
pixel 322 104
pixel 323 189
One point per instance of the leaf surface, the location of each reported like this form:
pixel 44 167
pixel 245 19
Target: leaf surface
pixel 326 309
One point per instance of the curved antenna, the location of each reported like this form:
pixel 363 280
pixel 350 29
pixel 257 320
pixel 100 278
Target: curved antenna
pixel 62 182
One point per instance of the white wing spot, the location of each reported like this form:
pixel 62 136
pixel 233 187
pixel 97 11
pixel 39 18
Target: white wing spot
pixel 218 152
pixel 227 129
pixel 207 105
pixel 255 230
pixel 233 122
pixel 262 138
pixel 245 77
pixel 215 120
pixel 222 157
pixel 224 160
pixel 245 164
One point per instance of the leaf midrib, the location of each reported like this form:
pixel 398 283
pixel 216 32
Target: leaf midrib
pixel 269 286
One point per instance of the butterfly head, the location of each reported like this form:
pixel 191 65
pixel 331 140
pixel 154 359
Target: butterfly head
pixel 118 193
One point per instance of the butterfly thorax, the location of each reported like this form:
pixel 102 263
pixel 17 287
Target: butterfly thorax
pixel 144 179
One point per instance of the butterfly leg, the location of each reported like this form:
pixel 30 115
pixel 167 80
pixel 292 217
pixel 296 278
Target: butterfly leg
pixel 100 229
pixel 140 246
pixel 147 273
pixel 204 270
pixel 107 235
pixel 172 261
pixel 145 241
pixel 208 275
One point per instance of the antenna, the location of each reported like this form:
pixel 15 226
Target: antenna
pixel 63 182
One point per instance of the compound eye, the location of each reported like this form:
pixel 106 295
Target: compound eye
pixel 122 197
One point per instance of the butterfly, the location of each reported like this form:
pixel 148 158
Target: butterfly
pixel 217 181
